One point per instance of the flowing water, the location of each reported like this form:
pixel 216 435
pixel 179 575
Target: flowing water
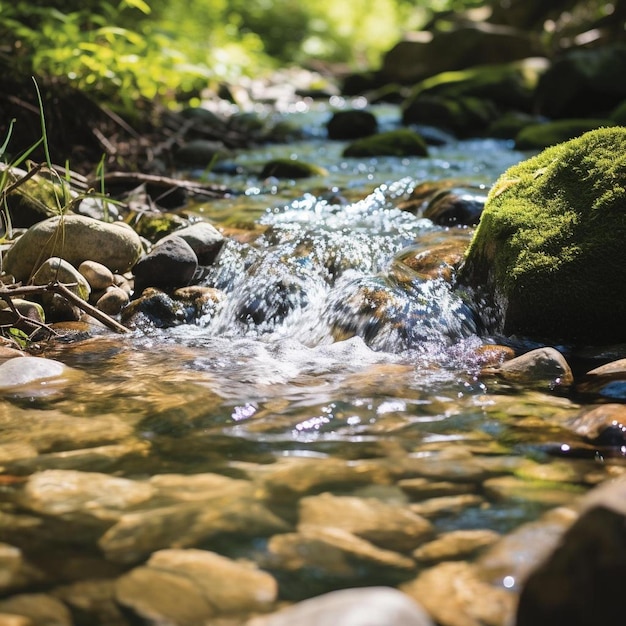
pixel 323 347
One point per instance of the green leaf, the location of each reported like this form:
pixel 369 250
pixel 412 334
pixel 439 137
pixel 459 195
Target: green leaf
pixel 144 7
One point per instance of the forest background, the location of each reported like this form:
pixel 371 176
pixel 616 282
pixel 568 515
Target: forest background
pixel 122 51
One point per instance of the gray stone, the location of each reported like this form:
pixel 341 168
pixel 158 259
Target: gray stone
pixel 205 240
pixel 168 265
pixel 76 239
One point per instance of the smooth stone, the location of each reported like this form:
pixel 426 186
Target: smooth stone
pixel 205 240
pixel 26 370
pixel 454 594
pixel 455 545
pixel 42 609
pixel 168 265
pixel 545 367
pixel 56 269
pixel 368 606
pixel 113 301
pixel 389 526
pixel 115 245
pixel 189 587
pixel 99 276
pixel 581 581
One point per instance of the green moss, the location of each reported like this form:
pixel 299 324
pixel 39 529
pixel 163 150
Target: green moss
pixel 402 142
pixel 550 245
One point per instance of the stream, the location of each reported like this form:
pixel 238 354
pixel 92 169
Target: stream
pixel 327 368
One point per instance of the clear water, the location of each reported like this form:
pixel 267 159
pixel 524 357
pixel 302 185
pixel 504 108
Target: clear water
pixel 292 364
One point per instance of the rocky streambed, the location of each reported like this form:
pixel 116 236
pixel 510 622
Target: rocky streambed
pixel 312 408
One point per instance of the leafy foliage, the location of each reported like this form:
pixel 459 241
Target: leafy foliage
pixel 167 50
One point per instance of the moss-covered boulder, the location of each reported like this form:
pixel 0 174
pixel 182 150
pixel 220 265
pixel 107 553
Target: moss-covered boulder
pixel 399 143
pixel 470 100
pixel 547 260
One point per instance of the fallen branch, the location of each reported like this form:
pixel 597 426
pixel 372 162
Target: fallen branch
pixel 136 179
pixel 9 291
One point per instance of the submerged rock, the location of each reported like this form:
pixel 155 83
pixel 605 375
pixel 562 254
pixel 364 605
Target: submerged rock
pixel 547 256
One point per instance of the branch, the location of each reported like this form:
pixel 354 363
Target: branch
pixel 29 290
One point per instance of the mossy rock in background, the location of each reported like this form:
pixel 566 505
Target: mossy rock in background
pixel 548 259
pixel 291 168
pixel 467 101
pixel 543 135
pixel 34 199
pixel 399 143
pixel 464 117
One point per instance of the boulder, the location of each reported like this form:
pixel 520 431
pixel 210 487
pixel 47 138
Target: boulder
pixel 74 238
pixel 467 102
pixel 546 260
pixel 581 582
pixel 584 82
pixel 423 54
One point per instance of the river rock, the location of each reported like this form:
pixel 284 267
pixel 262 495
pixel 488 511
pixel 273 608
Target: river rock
pixel 369 606
pixel 351 124
pixel 205 240
pixel 57 307
pixel 423 54
pixel 543 367
pixel 454 594
pixel 15 570
pixel 291 168
pixel 604 425
pixel 83 495
pixel 29 370
pixel 455 545
pixel 389 526
pixel 98 276
pixel 112 301
pixel 467 102
pixel 189 587
pixel 581 581
pixel 74 238
pixel 333 554
pixel 570 89
pixel 28 309
pixel 40 609
pixel 606 381
pixel 168 265
pixel 547 255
